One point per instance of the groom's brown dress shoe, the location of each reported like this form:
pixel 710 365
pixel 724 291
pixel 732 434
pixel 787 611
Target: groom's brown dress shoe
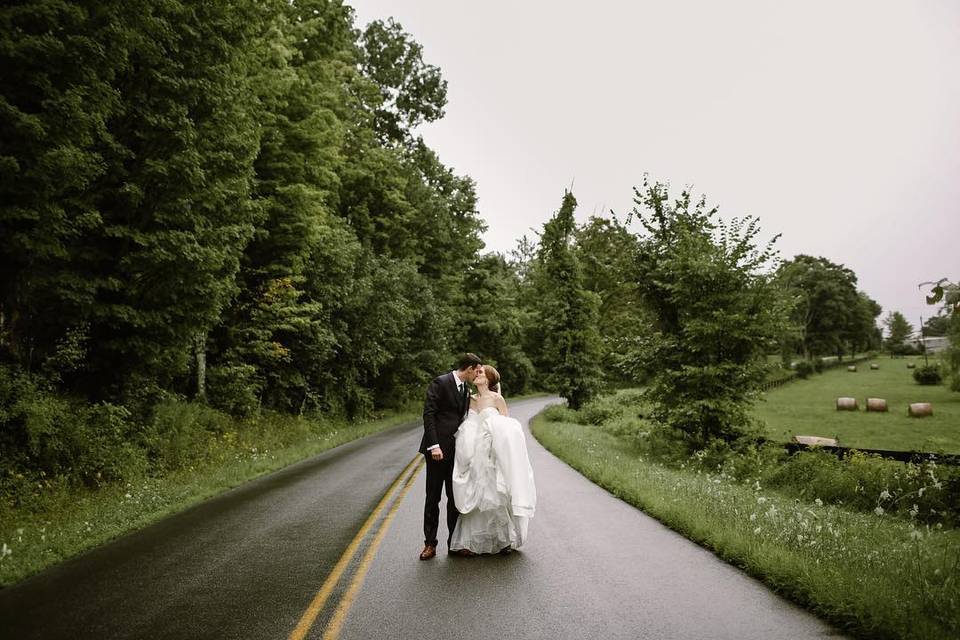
pixel 428 552
pixel 463 553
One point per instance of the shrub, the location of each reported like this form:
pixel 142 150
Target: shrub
pixel 804 368
pixel 181 433
pixel 45 435
pixel 819 365
pixel 865 482
pixel 233 388
pixel 928 375
pixel 596 412
pixel 561 413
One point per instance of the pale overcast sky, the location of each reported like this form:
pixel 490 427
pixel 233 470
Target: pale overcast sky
pixel 836 123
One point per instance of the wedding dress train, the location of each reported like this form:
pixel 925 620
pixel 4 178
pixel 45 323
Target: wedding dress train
pixel 492 483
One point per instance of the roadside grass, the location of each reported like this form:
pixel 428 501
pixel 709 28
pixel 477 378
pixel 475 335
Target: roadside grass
pixel 808 407
pixel 59 520
pixel 873 576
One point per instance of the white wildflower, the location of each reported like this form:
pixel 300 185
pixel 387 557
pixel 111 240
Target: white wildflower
pixel 753 517
pixel 5 551
pixel 757 530
pixel 878 510
pixel 761 499
pixel 884 495
pixel 818 502
pixel 915 534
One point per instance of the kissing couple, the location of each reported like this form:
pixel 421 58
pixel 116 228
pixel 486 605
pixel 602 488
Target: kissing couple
pixel 477 454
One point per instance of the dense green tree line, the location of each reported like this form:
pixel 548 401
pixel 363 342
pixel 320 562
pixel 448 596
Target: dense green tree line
pixel 228 202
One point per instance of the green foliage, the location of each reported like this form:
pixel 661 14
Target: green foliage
pixel 564 322
pixel 410 91
pixel 804 368
pixel 494 326
pixel 180 434
pixel 948 294
pixel 936 326
pixel 716 315
pixel 926 491
pixel 952 355
pixel 49 435
pixel 928 375
pixel 607 252
pixel 828 315
pixel 898 330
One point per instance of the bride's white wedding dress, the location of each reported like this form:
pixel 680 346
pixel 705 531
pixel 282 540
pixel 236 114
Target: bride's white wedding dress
pixel 492 483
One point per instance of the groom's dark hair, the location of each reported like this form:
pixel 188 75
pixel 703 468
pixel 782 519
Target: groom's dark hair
pixel 467 360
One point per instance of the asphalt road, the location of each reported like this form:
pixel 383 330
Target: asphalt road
pixel 249 563
pixel 594 567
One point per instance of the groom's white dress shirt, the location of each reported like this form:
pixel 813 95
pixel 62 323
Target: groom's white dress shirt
pixel 459 391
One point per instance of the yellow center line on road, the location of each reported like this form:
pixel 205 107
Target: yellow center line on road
pixel 316 605
pixel 343 608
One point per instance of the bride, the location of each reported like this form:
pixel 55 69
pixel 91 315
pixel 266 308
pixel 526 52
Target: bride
pixel 492 477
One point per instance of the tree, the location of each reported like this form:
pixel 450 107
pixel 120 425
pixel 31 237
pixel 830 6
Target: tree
pixel 410 91
pixel 494 321
pixel 825 304
pixel 948 294
pixel 863 334
pixel 898 330
pixel 608 253
pixel 716 314
pixel 936 326
pixel 564 323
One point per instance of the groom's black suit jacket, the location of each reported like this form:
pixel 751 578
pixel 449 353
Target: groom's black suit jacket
pixel 442 413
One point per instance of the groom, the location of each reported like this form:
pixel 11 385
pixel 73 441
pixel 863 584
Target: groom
pixel 443 411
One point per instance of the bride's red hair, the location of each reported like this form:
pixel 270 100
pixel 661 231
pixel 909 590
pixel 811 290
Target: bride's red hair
pixel 493 378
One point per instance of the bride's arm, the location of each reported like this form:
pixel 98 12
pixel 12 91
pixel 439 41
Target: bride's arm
pixel 502 406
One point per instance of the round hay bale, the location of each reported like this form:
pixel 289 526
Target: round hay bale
pixel 911 365
pixel 874 366
pixel 846 404
pixel 920 410
pixel 852 368
pixel 876 404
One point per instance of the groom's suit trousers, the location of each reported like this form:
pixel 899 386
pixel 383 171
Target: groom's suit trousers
pixel 439 478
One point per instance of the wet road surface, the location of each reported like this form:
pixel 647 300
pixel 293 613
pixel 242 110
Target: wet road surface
pixel 250 563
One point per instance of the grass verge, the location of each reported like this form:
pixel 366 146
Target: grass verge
pixel 60 520
pixel 873 576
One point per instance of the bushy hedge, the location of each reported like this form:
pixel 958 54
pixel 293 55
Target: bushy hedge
pixel 43 435
pixel 928 375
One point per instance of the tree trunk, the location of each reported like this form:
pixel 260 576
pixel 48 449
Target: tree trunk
pixel 200 355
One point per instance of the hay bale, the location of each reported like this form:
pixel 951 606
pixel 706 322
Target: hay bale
pixel 911 365
pixel 920 410
pixel 815 441
pixel 876 404
pixel 846 404
pixel 852 368
pixel 874 366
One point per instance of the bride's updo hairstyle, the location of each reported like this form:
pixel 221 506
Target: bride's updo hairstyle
pixel 493 378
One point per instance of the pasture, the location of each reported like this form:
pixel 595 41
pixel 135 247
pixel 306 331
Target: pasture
pixel 808 407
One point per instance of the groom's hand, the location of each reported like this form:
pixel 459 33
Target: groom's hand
pixel 437 454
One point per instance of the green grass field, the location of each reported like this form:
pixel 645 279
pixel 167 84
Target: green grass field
pixel 808 407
